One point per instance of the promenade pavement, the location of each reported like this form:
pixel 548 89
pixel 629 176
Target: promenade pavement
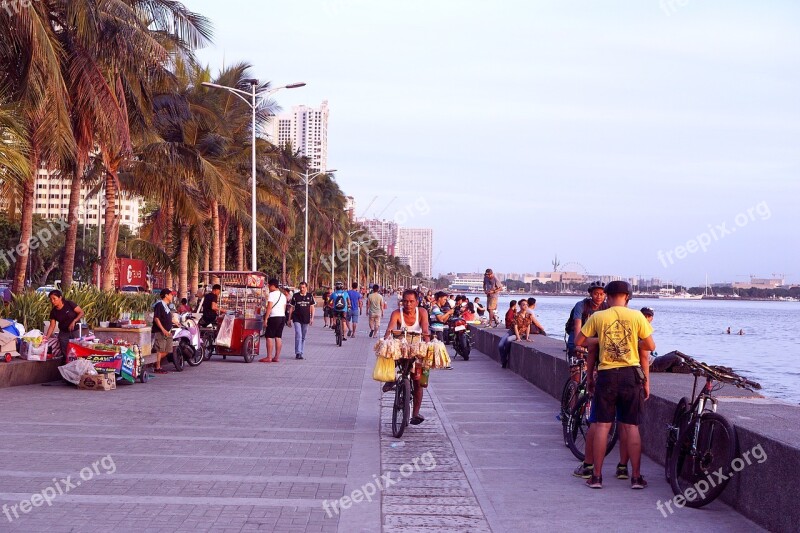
pixel 230 446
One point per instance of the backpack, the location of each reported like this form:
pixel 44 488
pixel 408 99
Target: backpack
pixel 570 325
pixel 338 302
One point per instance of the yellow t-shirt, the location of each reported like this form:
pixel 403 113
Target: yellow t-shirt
pixel 619 330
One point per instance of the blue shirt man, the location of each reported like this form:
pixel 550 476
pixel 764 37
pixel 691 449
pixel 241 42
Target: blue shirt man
pixel 355 308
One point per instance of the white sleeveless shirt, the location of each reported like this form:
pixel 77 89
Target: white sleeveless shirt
pixel 415 327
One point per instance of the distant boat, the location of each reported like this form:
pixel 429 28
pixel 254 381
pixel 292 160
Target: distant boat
pixel 466 285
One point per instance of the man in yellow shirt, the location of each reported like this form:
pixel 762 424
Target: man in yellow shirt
pixel 622 379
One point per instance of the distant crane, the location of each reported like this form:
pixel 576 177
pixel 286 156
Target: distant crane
pixel 364 213
pixel 387 207
pixel 555 264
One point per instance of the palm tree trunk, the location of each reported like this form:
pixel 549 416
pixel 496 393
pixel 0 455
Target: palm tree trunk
pixel 206 263
pixel 111 234
pixel 239 246
pixel 26 229
pixel 71 238
pixel 223 240
pixel 283 268
pixel 195 277
pixel 183 263
pixel 215 239
pixel 169 213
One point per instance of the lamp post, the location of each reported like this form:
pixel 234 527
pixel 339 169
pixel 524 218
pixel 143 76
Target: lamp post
pixel 255 95
pixel 349 249
pixel 305 231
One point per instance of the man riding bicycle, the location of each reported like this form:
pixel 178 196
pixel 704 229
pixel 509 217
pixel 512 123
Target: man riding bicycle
pixel 340 307
pixel 410 319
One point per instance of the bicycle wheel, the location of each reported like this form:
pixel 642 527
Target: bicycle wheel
pixel 694 469
pixel 338 332
pixel 681 410
pixel 578 426
pixel 401 410
pixel 567 403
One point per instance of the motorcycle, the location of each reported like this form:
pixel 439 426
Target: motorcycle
pixel 459 336
pixel 187 343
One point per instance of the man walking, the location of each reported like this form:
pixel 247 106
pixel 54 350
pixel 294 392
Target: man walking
pixel 355 307
pixel 276 318
pixel 492 288
pixel 375 308
pixel 302 315
pixel 622 383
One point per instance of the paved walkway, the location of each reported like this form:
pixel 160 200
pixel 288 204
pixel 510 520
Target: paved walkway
pixel 230 446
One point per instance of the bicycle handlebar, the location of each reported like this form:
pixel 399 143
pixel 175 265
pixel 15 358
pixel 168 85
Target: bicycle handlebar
pixel 718 373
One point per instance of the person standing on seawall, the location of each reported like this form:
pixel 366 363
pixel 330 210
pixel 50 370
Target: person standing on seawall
pixel 492 288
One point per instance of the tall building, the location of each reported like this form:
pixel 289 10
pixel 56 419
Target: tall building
pixel 52 201
pixel 384 232
pixel 306 129
pixel 415 247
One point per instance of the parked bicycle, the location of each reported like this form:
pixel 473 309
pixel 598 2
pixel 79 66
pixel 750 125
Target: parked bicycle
pixel 700 441
pixel 576 407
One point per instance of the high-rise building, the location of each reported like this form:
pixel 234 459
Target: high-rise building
pixel 384 232
pixel 52 192
pixel 306 130
pixel 415 246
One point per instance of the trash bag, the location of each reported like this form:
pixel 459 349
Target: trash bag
pixel 73 371
pixel 384 370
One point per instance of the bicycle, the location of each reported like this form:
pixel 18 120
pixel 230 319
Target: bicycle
pixel 337 327
pixel 700 441
pixel 403 390
pixel 575 420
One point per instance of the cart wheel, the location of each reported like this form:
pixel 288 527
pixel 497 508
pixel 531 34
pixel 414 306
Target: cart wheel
pixel 250 348
pixel 144 377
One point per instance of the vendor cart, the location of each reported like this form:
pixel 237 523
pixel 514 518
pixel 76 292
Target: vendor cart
pixel 242 304
pixel 125 360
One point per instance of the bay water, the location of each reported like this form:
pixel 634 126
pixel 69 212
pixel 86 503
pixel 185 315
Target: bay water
pixel 768 352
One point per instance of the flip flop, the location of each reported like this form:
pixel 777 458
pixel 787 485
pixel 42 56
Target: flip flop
pixel 417 420
pixel 275 361
pixel 265 360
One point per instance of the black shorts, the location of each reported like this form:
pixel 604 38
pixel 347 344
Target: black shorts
pixel 327 312
pixel 618 395
pixel 274 329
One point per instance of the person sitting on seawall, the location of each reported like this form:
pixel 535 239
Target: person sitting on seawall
pixel 479 308
pixel 468 313
pixel 510 314
pixel 521 331
pixel 536 327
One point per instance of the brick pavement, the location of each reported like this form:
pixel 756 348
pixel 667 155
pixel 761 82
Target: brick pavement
pixel 231 446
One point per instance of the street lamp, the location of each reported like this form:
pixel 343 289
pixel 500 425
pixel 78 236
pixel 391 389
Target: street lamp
pixel 349 249
pixel 255 95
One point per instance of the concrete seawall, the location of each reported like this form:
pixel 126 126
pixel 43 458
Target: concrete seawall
pixel 763 492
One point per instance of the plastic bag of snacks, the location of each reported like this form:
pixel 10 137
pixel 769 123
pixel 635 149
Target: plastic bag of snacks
pixel 384 370
pixel 437 356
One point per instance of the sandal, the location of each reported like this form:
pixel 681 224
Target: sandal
pixel 265 360
pixel 160 371
pixel 417 420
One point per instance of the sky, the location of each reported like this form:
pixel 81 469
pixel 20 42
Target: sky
pixel 649 138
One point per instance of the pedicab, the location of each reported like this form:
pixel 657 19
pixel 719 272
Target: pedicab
pixel 242 304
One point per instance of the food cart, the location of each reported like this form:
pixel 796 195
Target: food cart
pixel 242 302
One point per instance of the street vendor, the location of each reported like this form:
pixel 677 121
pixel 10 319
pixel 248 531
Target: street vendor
pixel 211 307
pixel 67 314
pixel 411 319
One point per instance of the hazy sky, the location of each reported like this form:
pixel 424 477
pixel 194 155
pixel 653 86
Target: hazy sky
pixel 603 131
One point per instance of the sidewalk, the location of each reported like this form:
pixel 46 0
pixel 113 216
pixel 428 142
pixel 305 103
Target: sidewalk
pixel 230 446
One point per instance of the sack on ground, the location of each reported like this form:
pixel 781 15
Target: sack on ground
pixel 73 371
pixel 384 370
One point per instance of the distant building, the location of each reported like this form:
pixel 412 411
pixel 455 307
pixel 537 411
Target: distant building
pixel 384 232
pixel 415 248
pixel 52 192
pixel 760 283
pixel 306 130
pixel 350 207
